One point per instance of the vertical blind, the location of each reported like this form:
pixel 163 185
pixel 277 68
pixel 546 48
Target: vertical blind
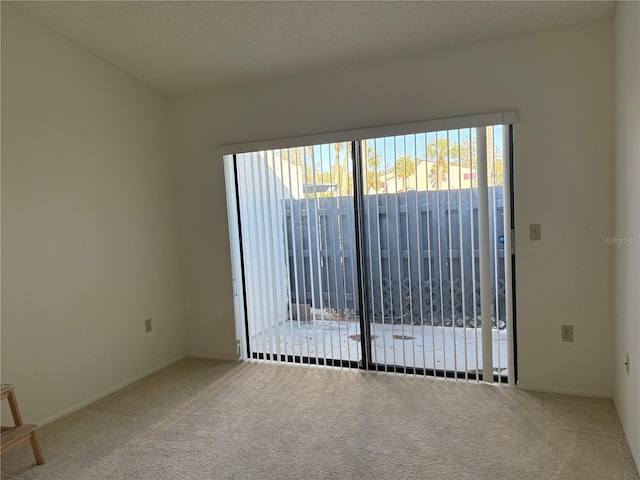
pixel 428 215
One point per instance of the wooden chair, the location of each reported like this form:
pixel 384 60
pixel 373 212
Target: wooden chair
pixel 12 436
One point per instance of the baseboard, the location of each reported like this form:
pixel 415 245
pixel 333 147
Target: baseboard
pixel 565 391
pixel 635 452
pixel 106 392
pixel 209 356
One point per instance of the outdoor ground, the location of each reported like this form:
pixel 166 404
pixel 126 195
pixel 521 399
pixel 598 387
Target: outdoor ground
pixel 443 348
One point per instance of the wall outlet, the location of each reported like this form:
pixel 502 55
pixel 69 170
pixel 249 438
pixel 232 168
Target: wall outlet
pixel 147 325
pixel 566 333
pixel 535 232
pixel 626 363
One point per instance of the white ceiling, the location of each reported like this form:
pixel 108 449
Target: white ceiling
pixel 179 47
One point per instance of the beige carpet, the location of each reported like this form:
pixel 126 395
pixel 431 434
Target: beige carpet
pixel 201 419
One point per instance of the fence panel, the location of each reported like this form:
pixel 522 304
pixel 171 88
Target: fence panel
pixel 422 255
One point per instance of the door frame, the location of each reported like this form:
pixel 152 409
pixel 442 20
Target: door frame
pixel 365 363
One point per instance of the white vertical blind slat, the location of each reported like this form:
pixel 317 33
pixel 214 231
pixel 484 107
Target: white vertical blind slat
pixel 409 256
pixel 451 260
pixel 462 260
pixel 291 240
pixel 440 266
pixel 400 255
pixel 494 249
pixel 474 283
pixel 485 257
pixel 313 268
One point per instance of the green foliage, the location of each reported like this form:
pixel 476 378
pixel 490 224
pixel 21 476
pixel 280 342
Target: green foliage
pixel 496 173
pixel 441 153
pixel 300 156
pixel 442 150
pixel 468 154
pixel 438 173
pixel 404 167
pixel 371 168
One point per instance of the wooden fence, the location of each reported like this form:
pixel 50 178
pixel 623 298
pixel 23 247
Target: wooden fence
pixel 422 261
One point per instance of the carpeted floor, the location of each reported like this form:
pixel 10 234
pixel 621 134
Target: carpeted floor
pixel 202 419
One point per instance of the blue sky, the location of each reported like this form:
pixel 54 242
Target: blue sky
pixel 390 148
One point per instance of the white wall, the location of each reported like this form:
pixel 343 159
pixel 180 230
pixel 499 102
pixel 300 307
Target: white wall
pixel 90 240
pixel 627 207
pixel 561 83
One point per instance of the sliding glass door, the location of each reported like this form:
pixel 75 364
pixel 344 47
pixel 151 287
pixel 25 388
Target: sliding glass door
pixel 296 218
pixel 422 230
pixel 388 253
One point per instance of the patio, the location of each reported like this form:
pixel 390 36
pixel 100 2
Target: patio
pixel 422 346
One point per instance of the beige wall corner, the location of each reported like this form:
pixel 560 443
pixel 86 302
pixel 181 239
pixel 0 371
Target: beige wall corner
pixel 627 227
pixel 89 226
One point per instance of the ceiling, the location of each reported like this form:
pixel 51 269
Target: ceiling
pixel 180 47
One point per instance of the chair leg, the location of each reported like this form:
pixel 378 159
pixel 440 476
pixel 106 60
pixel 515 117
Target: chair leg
pixel 37 451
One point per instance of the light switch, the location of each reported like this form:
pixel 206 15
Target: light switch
pixel 534 231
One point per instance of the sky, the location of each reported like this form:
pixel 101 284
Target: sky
pixel 391 148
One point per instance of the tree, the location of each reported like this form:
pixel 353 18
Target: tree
pixel 404 168
pixel 301 157
pixel 372 169
pixel 468 154
pixel 496 174
pixel 337 173
pixel 343 176
pixel 441 154
pixel 495 163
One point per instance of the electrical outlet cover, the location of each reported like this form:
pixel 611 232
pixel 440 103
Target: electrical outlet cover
pixel 566 333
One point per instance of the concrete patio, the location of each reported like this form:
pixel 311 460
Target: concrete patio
pixel 439 347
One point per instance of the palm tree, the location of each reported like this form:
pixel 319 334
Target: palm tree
pixel 371 168
pixel 441 154
pixel 301 157
pixel 404 168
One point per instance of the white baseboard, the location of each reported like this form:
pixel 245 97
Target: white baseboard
pixel 566 391
pixel 209 356
pixel 106 392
